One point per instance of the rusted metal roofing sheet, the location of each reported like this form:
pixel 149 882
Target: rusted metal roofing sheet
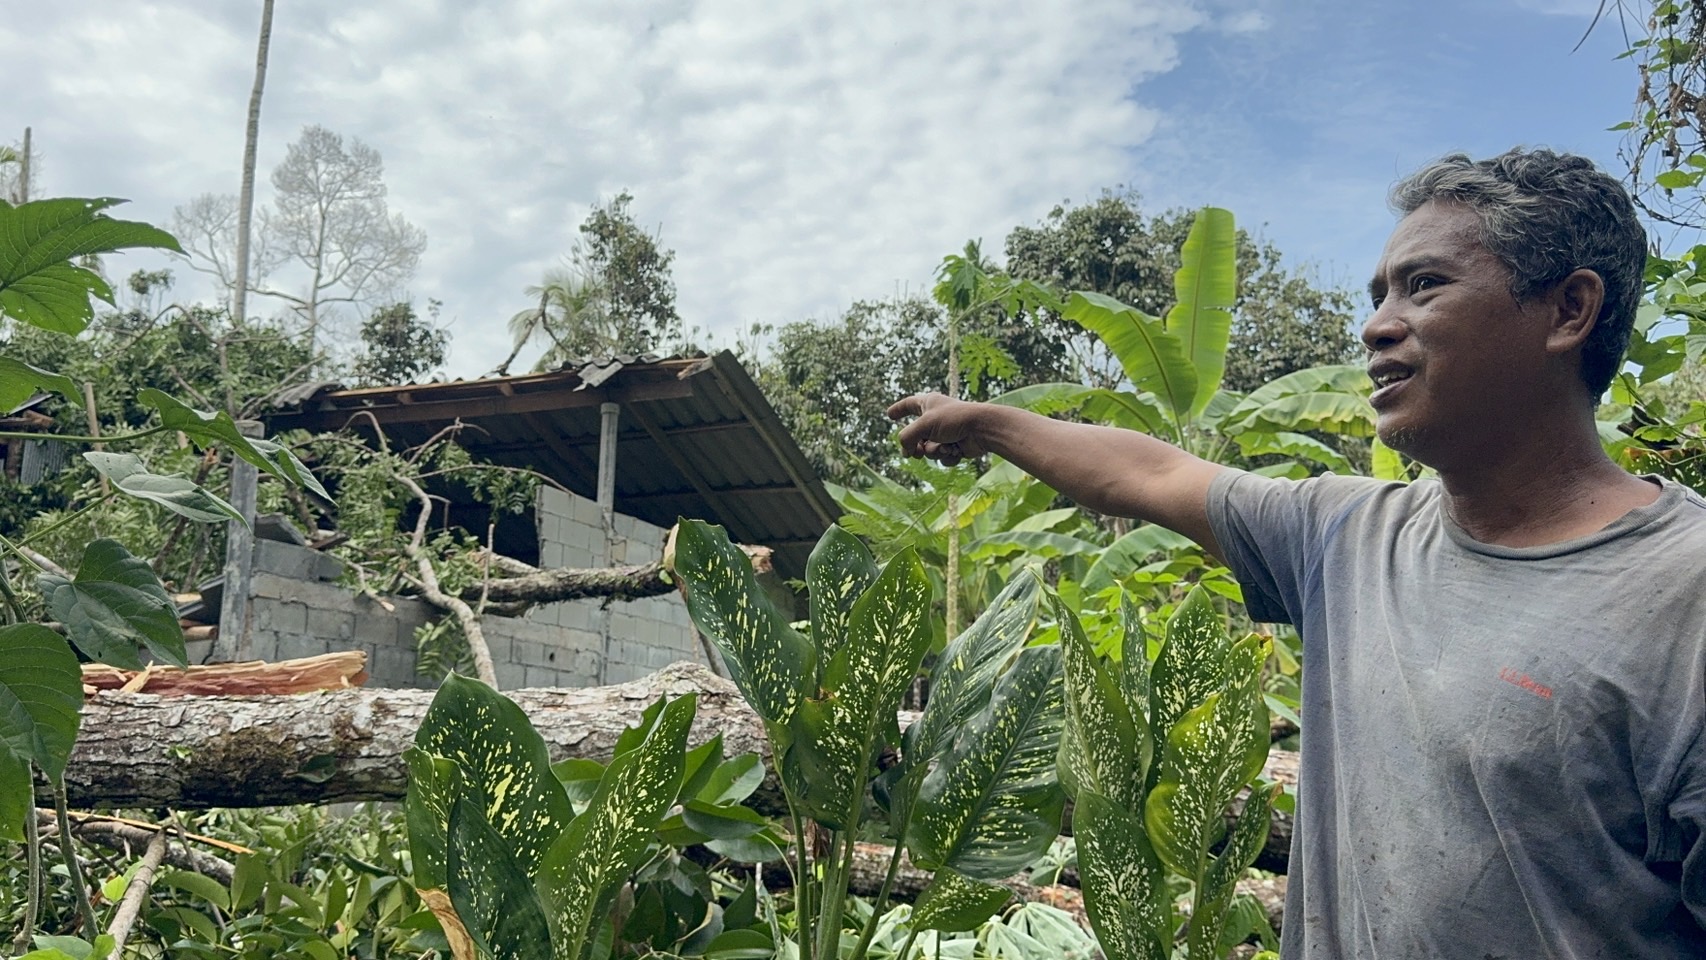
pixel 697 439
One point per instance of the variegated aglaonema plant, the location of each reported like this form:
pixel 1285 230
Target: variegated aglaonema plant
pixel 499 852
pixel 973 795
pixel 1154 753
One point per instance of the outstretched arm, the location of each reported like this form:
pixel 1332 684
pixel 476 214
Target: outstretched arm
pixel 1109 470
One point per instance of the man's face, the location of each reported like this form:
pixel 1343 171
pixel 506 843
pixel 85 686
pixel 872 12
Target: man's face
pixel 1455 359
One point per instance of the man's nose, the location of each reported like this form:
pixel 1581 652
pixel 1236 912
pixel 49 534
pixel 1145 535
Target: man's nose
pixel 1383 328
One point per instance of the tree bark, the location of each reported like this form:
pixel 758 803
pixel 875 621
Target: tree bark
pixel 145 750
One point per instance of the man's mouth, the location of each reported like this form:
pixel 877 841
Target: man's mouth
pixel 1387 378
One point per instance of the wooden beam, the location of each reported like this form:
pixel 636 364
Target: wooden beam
pixel 330 416
pixel 706 492
pixel 571 458
pixel 712 498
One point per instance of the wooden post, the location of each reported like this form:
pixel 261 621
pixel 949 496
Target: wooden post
pixel 608 414
pixel 234 642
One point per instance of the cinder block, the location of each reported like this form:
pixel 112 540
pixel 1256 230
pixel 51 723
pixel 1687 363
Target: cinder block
pixel 551 554
pixel 554 501
pixel 501 647
pixel 373 625
pixel 327 567
pixel 393 666
pixel 336 624
pixel 510 676
pixel 280 616
pixel 297 646
pixel 585 510
pixel 542 677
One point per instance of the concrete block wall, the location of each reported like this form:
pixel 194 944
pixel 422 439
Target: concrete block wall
pixel 297 609
pixel 643 634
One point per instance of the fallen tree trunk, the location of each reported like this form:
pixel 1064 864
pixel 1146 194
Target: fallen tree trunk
pixel 192 752
pixel 526 585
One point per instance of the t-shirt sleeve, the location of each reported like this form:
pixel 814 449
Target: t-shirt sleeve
pixel 1271 533
pixel 1681 836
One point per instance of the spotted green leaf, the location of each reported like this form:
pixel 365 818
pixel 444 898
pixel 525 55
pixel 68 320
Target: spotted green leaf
pixel 496 750
pixel 837 733
pixel 1207 758
pixel 965 675
pixel 1125 885
pixel 493 896
pixel 1248 837
pixel 41 692
pixel 1152 356
pixel 767 659
pixel 838 571
pixel 434 785
pixel 992 804
pixel 206 429
pixel 40 282
pixel 594 856
pixel 115 607
pixel 1134 656
pixel 174 491
pixel 953 902
pixel 1112 741
pixel 1192 661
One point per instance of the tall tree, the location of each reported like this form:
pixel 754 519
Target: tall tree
pixel 330 219
pixel 1281 322
pixel 399 346
pixel 616 295
pixel 246 198
pixel 830 380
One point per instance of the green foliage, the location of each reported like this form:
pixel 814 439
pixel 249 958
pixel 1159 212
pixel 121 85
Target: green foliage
pixel 41 694
pixel 1171 372
pixel 974 793
pixel 1199 713
pixel 491 823
pixel 398 346
pixel 1281 320
pixel 174 491
pixel 40 282
pixel 634 271
pixel 114 607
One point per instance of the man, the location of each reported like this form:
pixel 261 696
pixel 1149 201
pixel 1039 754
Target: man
pixel 1504 669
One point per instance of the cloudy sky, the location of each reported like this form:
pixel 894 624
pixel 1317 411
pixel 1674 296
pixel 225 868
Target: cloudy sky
pixel 797 156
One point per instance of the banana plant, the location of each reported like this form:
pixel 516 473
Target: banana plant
pixel 1174 366
pixel 1153 754
pixel 973 795
pixel 500 855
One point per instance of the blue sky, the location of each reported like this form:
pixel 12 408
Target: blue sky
pixel 1302 126
pixel 799 156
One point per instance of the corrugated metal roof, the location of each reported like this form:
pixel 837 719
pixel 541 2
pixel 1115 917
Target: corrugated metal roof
pixel 697 439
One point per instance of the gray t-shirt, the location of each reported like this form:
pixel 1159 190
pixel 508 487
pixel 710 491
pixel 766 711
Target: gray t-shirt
pixel 1503 749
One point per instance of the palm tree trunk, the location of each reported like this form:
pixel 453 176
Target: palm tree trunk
pixel 246 201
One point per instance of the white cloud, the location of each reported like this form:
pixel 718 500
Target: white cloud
pixel 795 155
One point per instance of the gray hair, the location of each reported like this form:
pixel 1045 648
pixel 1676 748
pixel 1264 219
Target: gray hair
pixel 1547 215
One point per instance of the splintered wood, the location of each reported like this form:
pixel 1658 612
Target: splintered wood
pixel 331 671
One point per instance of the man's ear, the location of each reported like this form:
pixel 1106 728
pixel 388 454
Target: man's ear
pixel 1575 303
